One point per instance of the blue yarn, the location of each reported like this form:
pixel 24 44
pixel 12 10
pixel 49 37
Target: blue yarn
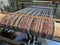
pixel 20 37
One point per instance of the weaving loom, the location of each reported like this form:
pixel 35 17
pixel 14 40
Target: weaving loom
pixel 37 27
pixel 28 23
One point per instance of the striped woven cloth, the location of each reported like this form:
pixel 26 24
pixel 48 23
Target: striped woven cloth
pixel 37 27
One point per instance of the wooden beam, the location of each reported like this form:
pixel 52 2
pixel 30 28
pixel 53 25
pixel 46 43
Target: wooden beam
pixel 40 17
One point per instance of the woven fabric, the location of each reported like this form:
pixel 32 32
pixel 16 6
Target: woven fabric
pixel 37 27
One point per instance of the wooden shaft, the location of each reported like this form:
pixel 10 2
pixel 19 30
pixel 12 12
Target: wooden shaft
pixel 57 25
pixel 4 13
